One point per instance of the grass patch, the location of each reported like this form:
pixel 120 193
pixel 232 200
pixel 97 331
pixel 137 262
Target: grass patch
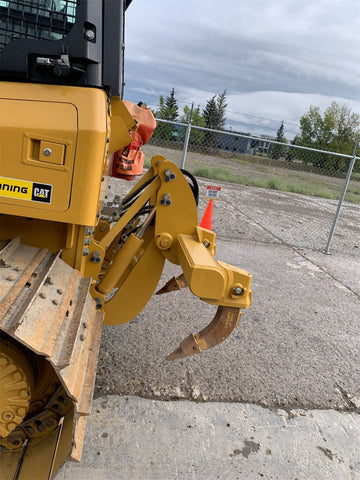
pixel 147 163
pixel 276 183
pixel 354 189
pixel 222 174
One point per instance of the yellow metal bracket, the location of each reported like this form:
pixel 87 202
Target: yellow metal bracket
pixel 127 271
pixel 120 123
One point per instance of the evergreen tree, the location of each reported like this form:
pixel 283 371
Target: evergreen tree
pixel 221 110
pixel 277 150
pixel 171 106
pixel 210 113
pixel 214 115
pixel 168 110
pixel 214 112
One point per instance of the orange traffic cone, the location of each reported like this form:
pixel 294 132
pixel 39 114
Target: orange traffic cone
pixel 206 221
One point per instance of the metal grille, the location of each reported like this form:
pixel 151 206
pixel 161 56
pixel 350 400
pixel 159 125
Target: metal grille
pixel 36 19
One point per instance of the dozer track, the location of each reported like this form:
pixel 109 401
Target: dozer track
pixel 50 334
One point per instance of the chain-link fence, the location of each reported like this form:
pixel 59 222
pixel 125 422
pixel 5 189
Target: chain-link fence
pixel 327 180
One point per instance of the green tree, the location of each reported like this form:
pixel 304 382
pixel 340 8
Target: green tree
pixel 210 113
pixel 214 115
pixel 156 113
pixel 168 110
pixel 334 131
pixel 311 127
pixel 196 136
pixel 277 150
pixel 221 110
pixel 215 111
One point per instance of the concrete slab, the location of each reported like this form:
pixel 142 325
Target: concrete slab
pixel 136 439
pixel 343 268
pixel 296 347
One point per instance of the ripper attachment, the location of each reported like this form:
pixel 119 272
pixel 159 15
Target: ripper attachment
pixel 157 221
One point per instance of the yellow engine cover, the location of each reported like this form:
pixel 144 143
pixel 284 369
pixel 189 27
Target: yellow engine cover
pixel 53 148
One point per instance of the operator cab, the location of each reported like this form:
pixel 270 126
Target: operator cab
pixel 66 42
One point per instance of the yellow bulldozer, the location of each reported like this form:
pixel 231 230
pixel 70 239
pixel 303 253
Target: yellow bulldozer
pixel 70 262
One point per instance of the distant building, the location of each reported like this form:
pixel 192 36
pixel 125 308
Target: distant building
pixel 238 142
pixel 231 142
pixel 262 144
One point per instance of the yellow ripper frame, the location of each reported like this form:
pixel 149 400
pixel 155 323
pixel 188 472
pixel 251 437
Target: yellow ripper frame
pixel 125 279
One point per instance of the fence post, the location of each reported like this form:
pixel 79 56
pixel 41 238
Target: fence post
pixel 346 184
pixel 187 136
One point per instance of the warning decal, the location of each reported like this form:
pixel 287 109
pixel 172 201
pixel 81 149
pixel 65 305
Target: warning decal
pixel 212 192
pixel 25 190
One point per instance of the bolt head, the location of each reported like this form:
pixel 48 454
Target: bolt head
pixel 21 411
pixel 24 394
pixel 50 422
pixel 7 416
pixel 238 291
pixel 90 35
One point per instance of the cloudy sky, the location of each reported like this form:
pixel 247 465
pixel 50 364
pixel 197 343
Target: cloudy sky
pixel 275 59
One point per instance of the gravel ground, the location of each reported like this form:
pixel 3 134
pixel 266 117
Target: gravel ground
pixel 270 216
pixel 287 218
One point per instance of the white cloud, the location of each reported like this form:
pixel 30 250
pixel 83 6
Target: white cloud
pixel 278 106
pixel 274 58
pixel 266 109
